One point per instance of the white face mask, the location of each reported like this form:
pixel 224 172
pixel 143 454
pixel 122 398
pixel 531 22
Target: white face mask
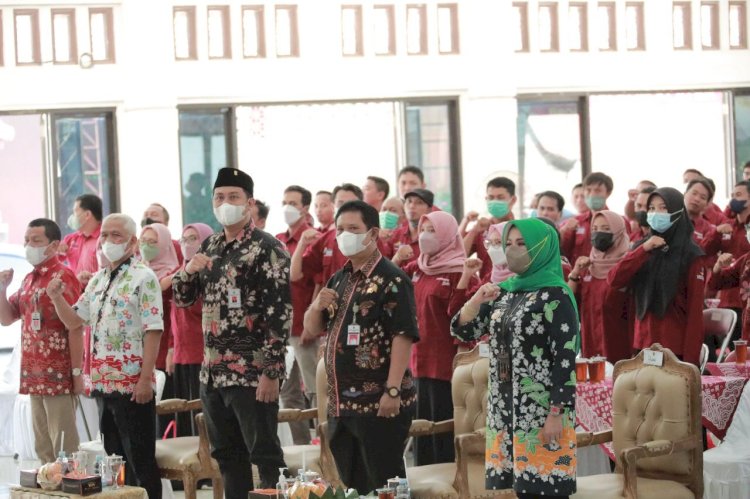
pixel 35 255
pixel 291 214
pixel 497 255
pixel 229 214
pixel 101 260
pixel 114 252
pixel 350 243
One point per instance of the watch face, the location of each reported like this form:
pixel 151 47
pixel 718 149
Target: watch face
pixel 394 392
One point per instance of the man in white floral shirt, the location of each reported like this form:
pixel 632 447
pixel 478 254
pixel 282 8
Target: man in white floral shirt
pixel 122 305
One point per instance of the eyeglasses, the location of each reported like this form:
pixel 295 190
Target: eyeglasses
pixel 149 242
pixel 188 240
pixel 492 244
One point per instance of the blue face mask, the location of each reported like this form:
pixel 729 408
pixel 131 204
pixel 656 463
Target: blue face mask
pixel 596 203
pixel 661 222
pixel 737 205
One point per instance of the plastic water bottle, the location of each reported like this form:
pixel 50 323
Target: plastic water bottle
pixel 282 487
pixel 402 491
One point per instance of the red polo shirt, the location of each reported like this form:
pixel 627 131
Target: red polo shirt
pixel 605 315
pixel 323 258
pixel 736 244
pixel 437 303
pixel 187 333
pixel 681 328
pixel 81 253
pixel 399 237
pixel 736 276
pixel 45 353
pixel 302 290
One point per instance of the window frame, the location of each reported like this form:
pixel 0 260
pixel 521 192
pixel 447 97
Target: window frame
pixel 359 45
pixel 611 27
pixel 424 48
pixel 226 31
pixel 390 11
pixel 293 29
pixel 715 26
pixel 583 8
pixel 554 10
pixel 640 23
pixel 523 10
pixel 192 32
pixel 687 24
pixel 72 36
pixel 260 30
pixel 35 36
pixel 455 35
pixel 109 24
pixel 742 6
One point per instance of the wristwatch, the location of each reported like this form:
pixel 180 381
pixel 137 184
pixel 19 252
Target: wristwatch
pixel 76 371
pixel 555 410
pixel 393 391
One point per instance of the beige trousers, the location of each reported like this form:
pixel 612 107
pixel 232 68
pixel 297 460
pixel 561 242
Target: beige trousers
pixel 51 416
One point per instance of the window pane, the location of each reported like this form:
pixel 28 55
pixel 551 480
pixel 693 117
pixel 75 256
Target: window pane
pixel 736 25
pixel 252 22
pixel 383 29
pixel 62 36
pixel 25 38
pixel 447 29
pixel 203 151
pixel 429 146
pixel 414 30
pixel 606 26
pixel 546 27
pixel 99 25
pixel 634 34
pixel 521 27
pixel 82 163
pixel 182 34
pixel 351 21
pixel 549 150
pixel 577 27
pixel 216 33
pixel 710 25
pixel 681 28
pixel 741 132
pixel 286 31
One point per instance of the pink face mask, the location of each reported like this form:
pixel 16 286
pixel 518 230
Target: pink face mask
pixel 428 243
pixel 189 250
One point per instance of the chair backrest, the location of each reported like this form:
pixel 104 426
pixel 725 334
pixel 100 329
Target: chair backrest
pixel 469 391
pixel 731 356
pixel 659 403
pixel 161 380
pixel 703 358
pixel 718 322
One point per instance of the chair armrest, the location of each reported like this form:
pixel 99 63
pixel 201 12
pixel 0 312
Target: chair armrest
pixel 593 438
pixel 204 448
pixel 423 427
pixel 468 446
pixel 171 406
pixel 308 414
pixel 630 456
pixel 288 415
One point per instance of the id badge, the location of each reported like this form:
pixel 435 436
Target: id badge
pixel 36 321
pixel 352 335
pixel 233 298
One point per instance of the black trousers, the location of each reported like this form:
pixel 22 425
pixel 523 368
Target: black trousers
pixel 240 427
pixel 536 496
pixel 369 450
pixel 186 386
pixel 128 429
pixel 434 403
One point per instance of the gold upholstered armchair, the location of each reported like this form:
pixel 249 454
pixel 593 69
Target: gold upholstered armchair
pixel 188 459
pixel 463 478
pixel 656 432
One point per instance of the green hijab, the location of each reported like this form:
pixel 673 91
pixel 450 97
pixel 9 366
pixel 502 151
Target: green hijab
pixel 545 271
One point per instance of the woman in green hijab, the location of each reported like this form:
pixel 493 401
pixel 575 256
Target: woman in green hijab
pixel 533 330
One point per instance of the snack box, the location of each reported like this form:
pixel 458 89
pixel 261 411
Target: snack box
pixel 84 486
pixel 28 479
pixel 263 494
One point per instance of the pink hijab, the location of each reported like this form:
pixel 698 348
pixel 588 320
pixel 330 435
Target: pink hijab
pixel 166 261
pixel 499 272
pixel 603 261
pixel 451 255
pixel 203 230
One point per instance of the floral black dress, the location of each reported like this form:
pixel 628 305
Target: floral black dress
pixel 532 366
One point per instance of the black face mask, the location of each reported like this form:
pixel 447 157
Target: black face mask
pixel 147 221
pixel 642 218
pixel 602 240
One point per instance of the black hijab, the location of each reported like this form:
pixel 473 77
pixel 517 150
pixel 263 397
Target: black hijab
pixel 656 283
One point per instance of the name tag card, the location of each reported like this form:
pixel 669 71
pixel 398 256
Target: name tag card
pixel 653 358
pixel 352 335
pixel 233 298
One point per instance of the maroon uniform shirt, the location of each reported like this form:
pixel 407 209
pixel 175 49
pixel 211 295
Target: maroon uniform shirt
pixel 303 289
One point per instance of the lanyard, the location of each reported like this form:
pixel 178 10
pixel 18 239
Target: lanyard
pixel 105 294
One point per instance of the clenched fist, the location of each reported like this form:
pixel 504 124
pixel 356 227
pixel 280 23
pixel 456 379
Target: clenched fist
pixel 198 263
pixel 325 299
pixel 309 237
pixel 570 224
pixel 405 252
pixel 725 260
pixel 485 294
pixel 472 266
pixel 653 243
pixel 55 288
pixel 482 225
pixel 6 277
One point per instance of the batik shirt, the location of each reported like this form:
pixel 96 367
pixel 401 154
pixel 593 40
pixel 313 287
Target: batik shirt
pixel 121 306
pixel 45 353
pixel 379 298
pixel 247 307
pixel 535 333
